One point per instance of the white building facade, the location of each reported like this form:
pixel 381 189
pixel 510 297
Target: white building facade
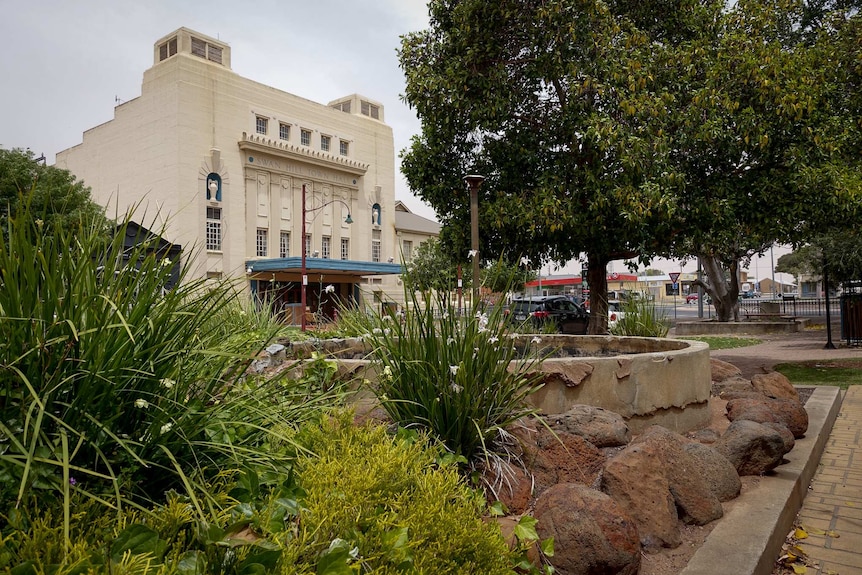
pixel 222 162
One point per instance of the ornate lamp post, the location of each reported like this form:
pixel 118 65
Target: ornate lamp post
pixel 304 271
pixel 473 182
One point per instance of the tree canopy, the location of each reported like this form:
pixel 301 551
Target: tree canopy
pixel 709 132
pixel 55 195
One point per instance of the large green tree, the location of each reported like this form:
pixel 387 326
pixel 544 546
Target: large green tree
pixel 762 136
pixel 551 101
pixel 55 195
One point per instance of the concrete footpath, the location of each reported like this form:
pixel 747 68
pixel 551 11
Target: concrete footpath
pixel 821 483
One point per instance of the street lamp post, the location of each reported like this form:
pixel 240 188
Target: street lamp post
pixel 304 270
pixel 473 182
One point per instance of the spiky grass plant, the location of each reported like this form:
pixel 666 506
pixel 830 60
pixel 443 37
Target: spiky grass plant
pixel 641 318
pixel 112 385
pixel 459 377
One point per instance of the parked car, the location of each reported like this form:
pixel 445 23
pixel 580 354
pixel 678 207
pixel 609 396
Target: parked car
pixel 560 311
pixel 692 298
pixel 615 312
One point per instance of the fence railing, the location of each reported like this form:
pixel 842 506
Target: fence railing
pixel 796 307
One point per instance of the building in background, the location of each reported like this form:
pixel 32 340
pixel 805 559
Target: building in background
pixel 220 162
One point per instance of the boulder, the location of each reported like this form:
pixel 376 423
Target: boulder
pixel 599 426
pixel 774 384
pixel 751 447
pixel 738 393
pixel 766 409
pixel 562 457
pixel 636 481
pixel 592 534
pixel 707 435
pixel 719 473
pixel 722 370
pixel 786 435
pixel 510 484
pixel 731 386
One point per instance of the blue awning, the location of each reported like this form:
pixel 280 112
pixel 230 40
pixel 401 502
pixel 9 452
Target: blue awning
pixel 319 265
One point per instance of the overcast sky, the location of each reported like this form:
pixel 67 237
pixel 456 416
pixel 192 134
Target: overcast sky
pixel 67 63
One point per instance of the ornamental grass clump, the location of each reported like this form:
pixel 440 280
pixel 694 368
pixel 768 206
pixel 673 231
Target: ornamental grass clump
pixel 641 318
pixel 457 376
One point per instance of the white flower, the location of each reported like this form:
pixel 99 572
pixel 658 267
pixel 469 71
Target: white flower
pixel 536 340
pixel 493 339
pixel 453 369
pixel 166 428
pixel 387 318
pixel 483 321
pixel 472 254
pixel 142 403
pixel 450 341
pixel 387 331
pixel 456 388
pixel 525 261
pixel 387 371
pixel 330 289
pixel 377 330
pixel 167 383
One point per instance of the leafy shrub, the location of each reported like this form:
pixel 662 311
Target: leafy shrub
pixel 458 377
pixel 641 318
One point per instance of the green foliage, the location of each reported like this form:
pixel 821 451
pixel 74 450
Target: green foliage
pixel 430 268
pixel 460 378
pixel 641 318
pixel 53 195
pixel 391 505
pixel 114 387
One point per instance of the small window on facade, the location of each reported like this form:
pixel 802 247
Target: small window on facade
pixel 308 244
pixel 260 244
pixel 168 49
pixel 343 106
pixel 213 231
pixel 326 247
pixel 344 147
pixel 370 110
pixel 207 51
pixel 214 53
pixel 305 137
pixel 284 131
pixel 199 47
pixel 284 245
pixel 324 143
pixel 345 249
pixel 261 124
pixel 375 245
pixel 407 250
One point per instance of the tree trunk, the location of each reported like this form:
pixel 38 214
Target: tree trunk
pixel 723 287
pixel 597 277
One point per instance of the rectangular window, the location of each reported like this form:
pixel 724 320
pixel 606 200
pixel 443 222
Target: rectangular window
pixel 284 131
pixel 199 47
pixel 343 106
pixel 261 124
pixel 345 249
pixel 370 110
pixel 284 245
pixel 407 250
pixel 213 233
pixel 207 51
pixel 324 143
pixel 260 246
pixel 344 147
pixel 375 245
pixel 168 49
pixel 214 53
pixel 308 244
pixel 326 247
pixel 305 137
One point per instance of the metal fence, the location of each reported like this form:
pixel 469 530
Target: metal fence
pixel 788 306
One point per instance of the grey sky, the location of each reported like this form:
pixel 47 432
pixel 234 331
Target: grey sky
pixel 65 62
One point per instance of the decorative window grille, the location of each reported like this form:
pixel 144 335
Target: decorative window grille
pixel 213 231
pixel 260 245
pixel 345 249
pixel 326 247
pixel 284 245
pixel 375 245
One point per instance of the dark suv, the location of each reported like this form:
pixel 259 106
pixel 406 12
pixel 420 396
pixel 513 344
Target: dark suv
pixel 562 312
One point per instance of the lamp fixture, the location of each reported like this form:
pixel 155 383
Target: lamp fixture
pixel 348 219
pixel 249 270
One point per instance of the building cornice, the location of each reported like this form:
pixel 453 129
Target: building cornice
pixel 304 154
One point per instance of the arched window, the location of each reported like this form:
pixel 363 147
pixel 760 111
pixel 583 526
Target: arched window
pixel 214 187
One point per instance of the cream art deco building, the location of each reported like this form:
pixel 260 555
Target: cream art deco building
pixel 222 161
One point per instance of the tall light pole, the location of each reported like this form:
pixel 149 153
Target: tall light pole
pixel 473 182
pixel 304 271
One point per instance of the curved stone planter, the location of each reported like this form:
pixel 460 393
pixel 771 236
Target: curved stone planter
pixel 646 380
